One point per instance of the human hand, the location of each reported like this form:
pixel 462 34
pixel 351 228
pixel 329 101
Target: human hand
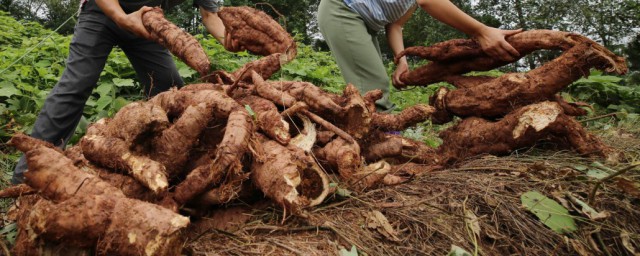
pixel 401 68
pixel 493 43
pixel 231 44
pixel 132 22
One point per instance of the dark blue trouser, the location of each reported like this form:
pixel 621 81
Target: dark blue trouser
pixel 94 37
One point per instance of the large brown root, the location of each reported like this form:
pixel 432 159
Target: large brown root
pixel 318 100
pixel 397 149
pixel 234 145
pixel 410 116
pixel 267 91
pixel 511 91
pixel 525 43
pixel 127 184
pixel 521 128
pixel 180 43
pixel 269 120
pixel 112 225
pixel 54 176
pixel 150 119
pixel 16 191
pixel 86 209
pixel 356 117
pixel 114 153
pixel 173 146
pixel 265 67
pixel 341 156
pixel 175 102
pixel 288 176
pixel 256 31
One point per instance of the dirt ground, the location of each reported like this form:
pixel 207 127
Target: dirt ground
pixel 476 206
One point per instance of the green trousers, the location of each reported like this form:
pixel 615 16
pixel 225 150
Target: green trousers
pixel 355 48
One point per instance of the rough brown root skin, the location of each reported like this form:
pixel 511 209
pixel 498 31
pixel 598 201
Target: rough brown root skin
pixel 127 184
pixel 225 193
pixel 234 145
pixel 149 120
pixel 25 143
pixel 173 146
pixel 356 118
pixel 327 125
pixel 521 128
pixel 370 99
pixel 444 51
pixel 370 176
pixel 115 224
pixel 202 86
pixel 265 67
pixel 410 116
pixel 317 100
pixel 397 149
pixel 267 91
pixel 572 109
pixel 114 153
pixel 55 177
pixel 288 176
pixel 462 82
pixel 511 91
pixel 256 31
pixel 174 102
pixel 269 119
pixel 341 156
pixel 16 191
pixel 99 128
pixel 525 43
pixel 179 42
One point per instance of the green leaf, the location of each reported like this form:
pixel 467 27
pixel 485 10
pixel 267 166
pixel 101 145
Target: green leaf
pixel 120 102
pixel 9 232
pixel 103 102
pixel 597 173
pixel 550 212
pixel 352 252
pixel 457 251
pixel 104 89
pixel 186 71
pixel 248 108
pixel 343 192
pixel 7 89
pixel 119 82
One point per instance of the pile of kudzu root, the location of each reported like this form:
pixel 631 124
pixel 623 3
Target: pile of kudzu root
pixel 128 185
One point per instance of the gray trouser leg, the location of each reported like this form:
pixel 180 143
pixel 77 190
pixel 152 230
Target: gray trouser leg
pixel 62 110
pixel 93 39
pixel 154 66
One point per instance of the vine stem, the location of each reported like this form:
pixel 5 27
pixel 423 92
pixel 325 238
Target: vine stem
pixel 592 195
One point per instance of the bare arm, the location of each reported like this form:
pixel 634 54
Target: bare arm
pixel 216 28
pixel 491 39
pixel 396 42
pixel 131 22
pixel 213 23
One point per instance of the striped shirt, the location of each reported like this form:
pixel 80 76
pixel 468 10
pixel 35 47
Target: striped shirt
pixel 378 13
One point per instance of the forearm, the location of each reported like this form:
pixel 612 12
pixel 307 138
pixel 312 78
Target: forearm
pixel 214 24
pixel 448 13
pixel 394 33
pixel 112 9
pixel 395 39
